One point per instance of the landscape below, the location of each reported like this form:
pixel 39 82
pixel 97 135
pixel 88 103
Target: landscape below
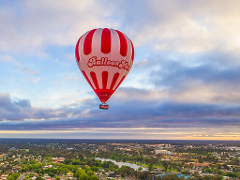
pixel 55 159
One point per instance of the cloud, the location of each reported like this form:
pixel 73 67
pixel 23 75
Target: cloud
pixel 7 104
pixel 209 78
pixel 187 27
pixel 13 110
pixel 30 27
pixel 175 74
pixel 184 26
pixel 128 133
pixel 9 59
pixel 21 110
pixel 19 115
pixel 141 64
pixel 185 76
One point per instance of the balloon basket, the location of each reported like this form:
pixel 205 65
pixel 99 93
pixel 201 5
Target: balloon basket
pixel 103 106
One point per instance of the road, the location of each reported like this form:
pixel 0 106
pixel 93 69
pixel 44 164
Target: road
pixel 22 177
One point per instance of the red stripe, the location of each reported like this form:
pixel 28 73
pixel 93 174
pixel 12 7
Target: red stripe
pixel 104 79
pixel 104 95
pixel 132 57
pixel 77 51
pixel 106 41
pixel 87 46
pixel 94 78
pixel 84 74
pixel 120 82
pixel 115 77
pixel 123 43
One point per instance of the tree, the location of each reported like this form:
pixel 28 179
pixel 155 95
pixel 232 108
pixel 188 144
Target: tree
pixel 78 173
pixel 52 174
pixel 13 176
pixel 179 169
pixel 90 173
pixel 94 177
pixel 84 176
pixel 144 175
pixel 158 178
pixel 140 169
pixel 170 177
pixel 165 165
pixel 150 167
pixel 170 166
pixel 94 168
pixel 200 159
pixel 39 178
pixel 225 166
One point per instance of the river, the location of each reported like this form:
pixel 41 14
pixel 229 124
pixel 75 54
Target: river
pixel 120 164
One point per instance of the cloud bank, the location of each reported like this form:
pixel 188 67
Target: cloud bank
pixel 185 76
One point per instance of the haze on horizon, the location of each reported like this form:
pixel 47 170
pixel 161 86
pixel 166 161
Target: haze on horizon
pixel 184 83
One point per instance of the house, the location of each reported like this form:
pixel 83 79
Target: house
pixel 47 177
pixel 4 176
pixel 61 159
pixel 48 166
pixel 54 160
pixel 199 166
pixel 166 152
pixel 70 174
pixel 57 160
pixel 226 177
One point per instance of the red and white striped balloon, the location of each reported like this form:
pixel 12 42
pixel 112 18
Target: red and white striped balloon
pixel 105 57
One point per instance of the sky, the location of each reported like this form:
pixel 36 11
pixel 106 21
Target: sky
pixel 184 83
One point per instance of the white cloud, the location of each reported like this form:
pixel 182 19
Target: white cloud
pixel 141 63
pixel 179 34
pixel 10 59
pixel 36 24
pixel 187 27
pixel 191 27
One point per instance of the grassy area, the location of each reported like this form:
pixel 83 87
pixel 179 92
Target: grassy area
pixel 144 165
pixel 158 166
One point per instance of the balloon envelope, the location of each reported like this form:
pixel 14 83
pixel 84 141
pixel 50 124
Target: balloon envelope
pixel 105 57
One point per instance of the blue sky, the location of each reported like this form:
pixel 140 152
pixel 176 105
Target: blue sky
pixel 184 83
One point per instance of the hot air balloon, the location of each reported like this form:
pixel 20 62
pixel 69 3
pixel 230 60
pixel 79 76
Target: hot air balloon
pixel 105 57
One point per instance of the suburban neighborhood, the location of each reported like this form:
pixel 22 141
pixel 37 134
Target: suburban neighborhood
pixel 117 160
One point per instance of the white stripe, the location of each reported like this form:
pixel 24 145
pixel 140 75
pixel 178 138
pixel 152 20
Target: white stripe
pixel 113 56
pixel 123 72
pixel 84 60
pixel 96 51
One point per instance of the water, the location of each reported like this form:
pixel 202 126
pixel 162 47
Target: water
pixel 135 166
pixel 120 164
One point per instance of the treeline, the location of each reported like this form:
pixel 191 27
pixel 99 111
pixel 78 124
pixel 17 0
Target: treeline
pixel 13 176
pixel 202 150
pixel 148 176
